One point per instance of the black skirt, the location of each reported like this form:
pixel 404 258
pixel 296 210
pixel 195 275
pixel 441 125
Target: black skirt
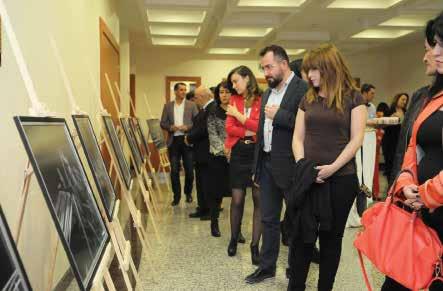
pixel 241 163
pixel 219 172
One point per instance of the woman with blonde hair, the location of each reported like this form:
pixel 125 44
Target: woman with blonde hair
pixel 329 129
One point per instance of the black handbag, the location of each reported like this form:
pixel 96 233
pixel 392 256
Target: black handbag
pixel 363 193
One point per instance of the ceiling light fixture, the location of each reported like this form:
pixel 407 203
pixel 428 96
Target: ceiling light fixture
pixel 228 51
pixel 176 16
pixel 382 33
pixel 245 32
pixel 363 4
pixel 270 3
pixel 174 41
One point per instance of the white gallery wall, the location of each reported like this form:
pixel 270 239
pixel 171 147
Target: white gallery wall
pixel 74 24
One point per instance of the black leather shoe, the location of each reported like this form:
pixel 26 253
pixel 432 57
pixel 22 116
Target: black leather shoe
pixel 232 248
pixel 259 276
pixel 316 256
pixel 215 230
pixel 241 238
pixel 188 199
pixel 175 203
pixel 255 256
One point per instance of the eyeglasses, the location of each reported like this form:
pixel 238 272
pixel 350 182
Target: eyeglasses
pixel 266 68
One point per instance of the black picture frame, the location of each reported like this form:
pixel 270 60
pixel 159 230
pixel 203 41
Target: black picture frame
pixel 140 137
pixel 156 133
pixel 136 155
pixel 96 162
pixel 123 164
pixel 67 192
pixel 12 271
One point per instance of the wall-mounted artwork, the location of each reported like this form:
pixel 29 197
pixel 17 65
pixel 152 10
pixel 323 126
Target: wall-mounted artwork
pixel 156 133
pixel 135 152
pixel 67 192
pixel 95 160
pixel 140 136
pixel 12 275
pixel 191 84
pixel 123 164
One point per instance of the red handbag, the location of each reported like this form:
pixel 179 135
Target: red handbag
pixel 400 246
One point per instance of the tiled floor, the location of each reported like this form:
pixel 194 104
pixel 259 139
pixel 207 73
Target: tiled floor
pixel 189 258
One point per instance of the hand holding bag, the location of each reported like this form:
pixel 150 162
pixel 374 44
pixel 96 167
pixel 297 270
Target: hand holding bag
pixel 400 245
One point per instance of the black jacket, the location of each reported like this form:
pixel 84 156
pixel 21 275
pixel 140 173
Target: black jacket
pixel 198 135
pixel 282 158
pixel 417 101
pixel 309 203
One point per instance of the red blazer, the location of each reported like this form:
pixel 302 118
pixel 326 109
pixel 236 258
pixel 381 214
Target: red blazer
pixel 234 129
pixel 431 192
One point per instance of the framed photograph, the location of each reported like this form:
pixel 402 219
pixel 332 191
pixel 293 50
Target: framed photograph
pixel 135 152
pixel 123 164
pixel 62 179
pixel 140 137
pixel 191 84
pixel 94 156
pixel 13 275
pixel 156 133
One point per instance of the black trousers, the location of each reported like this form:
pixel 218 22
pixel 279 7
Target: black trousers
pixel 202 184
pixel 178 151
pixel 343 192
pixel 271 197
pixel 219 183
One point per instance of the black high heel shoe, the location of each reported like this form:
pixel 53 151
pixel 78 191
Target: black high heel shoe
pixel 232 247
pixel 215 230
pixel 255 255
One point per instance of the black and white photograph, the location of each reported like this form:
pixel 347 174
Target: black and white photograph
pixel 140 136
pixel 12 275
pixel 67 192
pixel 95 160
pixel 132 143
pixel 156 133
pixel 123 164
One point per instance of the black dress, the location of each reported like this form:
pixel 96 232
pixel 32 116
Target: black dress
pixel 429 139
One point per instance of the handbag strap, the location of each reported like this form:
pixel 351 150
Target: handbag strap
pixel 362 174
pixel 363 270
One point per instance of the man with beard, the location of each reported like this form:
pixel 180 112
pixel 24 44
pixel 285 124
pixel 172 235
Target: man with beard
pixel 273 160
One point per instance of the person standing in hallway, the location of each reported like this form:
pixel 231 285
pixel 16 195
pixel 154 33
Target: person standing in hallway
pixel 368 93
pixel 241 127
pixel 198 138
pixel 273 158
pixel 329 129
pixel 418 99
pixel 177 120
pixel 218 163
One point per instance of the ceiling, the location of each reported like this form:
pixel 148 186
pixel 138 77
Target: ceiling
pixel 242 27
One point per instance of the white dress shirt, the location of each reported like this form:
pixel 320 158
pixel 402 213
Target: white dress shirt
pixel 179 112
pixel 275 98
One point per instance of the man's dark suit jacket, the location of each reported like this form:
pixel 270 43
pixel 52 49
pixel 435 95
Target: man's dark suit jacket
pixel 198 135
pixel 282 158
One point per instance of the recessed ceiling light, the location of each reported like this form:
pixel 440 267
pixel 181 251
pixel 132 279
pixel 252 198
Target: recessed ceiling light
pixel 270 3
pixel 176 41
pixel 294 52
pixel 383 33
pixel 176 16
pixel 175 30
pixel 407 20
pixel 363 4
pixel 245 32
pixel 228 51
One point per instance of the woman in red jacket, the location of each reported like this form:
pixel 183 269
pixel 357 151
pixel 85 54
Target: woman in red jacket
pixel 420 182
pixel 241 127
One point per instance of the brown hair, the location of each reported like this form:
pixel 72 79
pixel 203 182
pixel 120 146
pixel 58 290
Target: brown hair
pixel 252 87
pixel 336 78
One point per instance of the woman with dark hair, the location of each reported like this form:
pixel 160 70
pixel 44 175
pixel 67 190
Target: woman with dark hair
pixel 218 163
pixel 329 129
pixel 392 133
pixel 420 183
pixel 241 127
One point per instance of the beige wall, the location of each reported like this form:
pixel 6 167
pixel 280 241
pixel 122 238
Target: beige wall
pixel 391 70
pixel 74 24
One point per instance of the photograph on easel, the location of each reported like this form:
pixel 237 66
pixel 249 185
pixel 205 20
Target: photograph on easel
pixel 95 160
pixel 156 133
pixel 123 164
pixel 139 135
pixel 67 192
pixel 132 143
pixel 12 275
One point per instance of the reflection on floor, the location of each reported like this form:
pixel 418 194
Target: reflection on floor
pixel 189 258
